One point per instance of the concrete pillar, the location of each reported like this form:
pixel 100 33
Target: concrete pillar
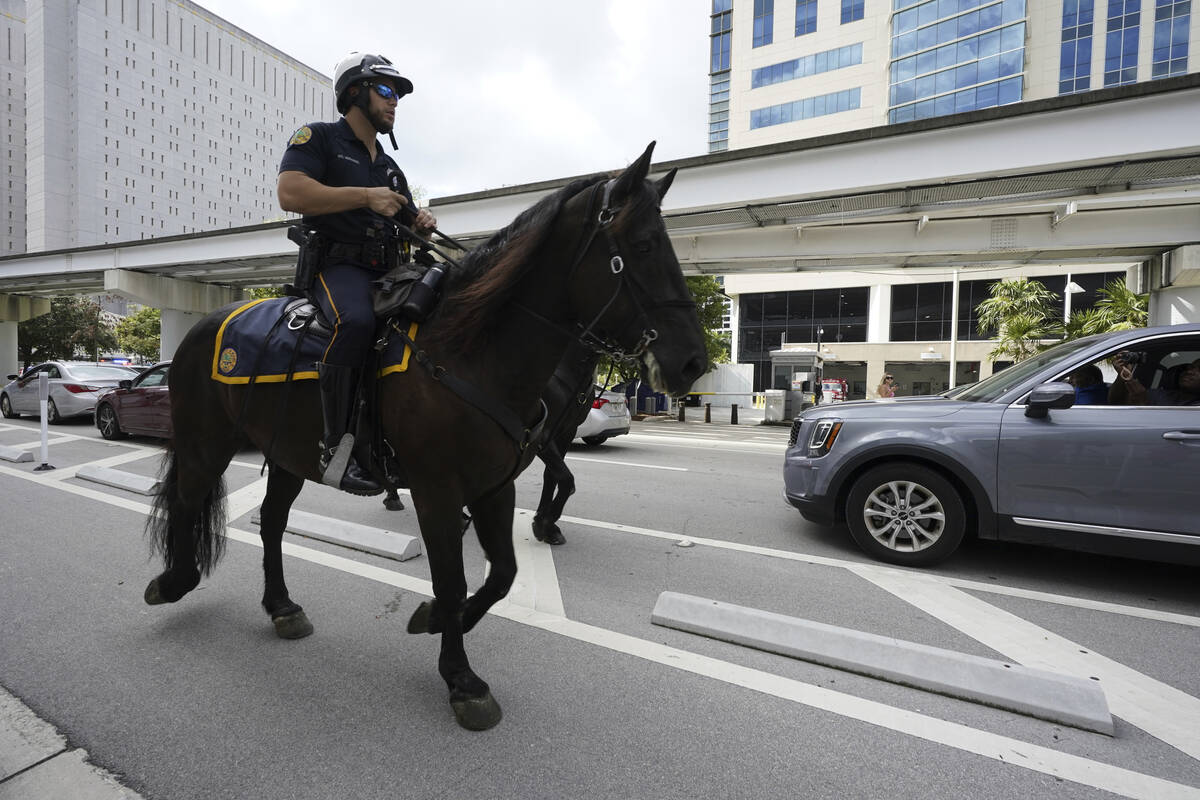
pixel 175 325
pixel 8 349
pixel 879 316
pixel 183 303
pixel 876 369
pixel 13 309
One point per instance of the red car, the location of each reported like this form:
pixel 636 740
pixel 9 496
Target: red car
pixel 138 406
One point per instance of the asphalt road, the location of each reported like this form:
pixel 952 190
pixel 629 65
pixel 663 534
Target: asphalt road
pixel 201 700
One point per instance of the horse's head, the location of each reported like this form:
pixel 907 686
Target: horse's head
pixel 628 289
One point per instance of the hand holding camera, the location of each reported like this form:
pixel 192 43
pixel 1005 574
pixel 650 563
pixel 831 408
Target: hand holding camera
pixel 1126 360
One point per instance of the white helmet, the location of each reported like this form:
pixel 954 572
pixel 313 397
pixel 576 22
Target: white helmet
pixel 359 67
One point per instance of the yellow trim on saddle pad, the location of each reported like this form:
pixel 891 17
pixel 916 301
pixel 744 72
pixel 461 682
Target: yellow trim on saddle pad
pixel 403 365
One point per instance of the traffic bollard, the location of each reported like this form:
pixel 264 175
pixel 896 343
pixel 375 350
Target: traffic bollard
pixel 681 415
pixel 708 412
pixel 733 414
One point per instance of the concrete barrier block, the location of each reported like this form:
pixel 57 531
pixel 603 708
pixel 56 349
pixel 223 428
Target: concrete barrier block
pixel 1065 699
pixel 14 454
pixel 118 479
pixel 377 541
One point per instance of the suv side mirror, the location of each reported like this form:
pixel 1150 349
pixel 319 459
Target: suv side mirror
pixel 1055 394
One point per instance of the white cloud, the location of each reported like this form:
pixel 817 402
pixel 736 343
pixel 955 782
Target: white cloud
pixel 514 92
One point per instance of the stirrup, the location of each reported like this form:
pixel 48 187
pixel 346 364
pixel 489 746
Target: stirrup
pixel 336 468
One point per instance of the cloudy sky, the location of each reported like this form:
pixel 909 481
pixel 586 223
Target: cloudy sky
pixel 516 91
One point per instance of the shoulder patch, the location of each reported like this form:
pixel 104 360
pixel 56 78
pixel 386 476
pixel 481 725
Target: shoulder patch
pixel 302 135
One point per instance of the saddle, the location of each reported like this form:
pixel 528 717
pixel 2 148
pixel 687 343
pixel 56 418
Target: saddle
pixel 280 340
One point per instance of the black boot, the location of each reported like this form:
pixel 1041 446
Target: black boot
pixel 338 466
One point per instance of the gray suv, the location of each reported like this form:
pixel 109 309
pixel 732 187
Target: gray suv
pixel 1093 444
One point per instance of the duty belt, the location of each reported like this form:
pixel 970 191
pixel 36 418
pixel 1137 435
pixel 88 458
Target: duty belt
pixel 378 255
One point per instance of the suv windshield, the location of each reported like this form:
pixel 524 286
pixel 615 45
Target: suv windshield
pixel 994 386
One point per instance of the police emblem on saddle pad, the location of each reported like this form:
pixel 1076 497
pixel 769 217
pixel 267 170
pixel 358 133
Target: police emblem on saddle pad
pixel 255 341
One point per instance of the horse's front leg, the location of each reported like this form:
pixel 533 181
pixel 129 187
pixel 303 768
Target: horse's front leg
pixel 289 618
pixel 441 531
pixel 493 525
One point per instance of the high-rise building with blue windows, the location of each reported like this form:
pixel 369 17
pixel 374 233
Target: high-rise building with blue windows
pixel 793 69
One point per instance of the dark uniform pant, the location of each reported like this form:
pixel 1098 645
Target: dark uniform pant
pixel 343 292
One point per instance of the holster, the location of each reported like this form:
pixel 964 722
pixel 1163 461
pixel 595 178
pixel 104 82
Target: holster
pixel 312 254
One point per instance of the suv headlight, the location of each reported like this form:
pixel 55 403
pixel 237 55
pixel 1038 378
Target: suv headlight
pixel 824 434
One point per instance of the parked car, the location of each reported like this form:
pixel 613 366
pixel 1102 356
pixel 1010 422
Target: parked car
pixel 138 406
pixel 1015 457
pixel 608 417
pixel 74 387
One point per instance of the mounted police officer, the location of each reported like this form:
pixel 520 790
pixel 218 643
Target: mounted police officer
pixel 336 175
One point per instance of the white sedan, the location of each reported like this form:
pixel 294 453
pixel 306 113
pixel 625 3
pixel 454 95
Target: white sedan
pixel 73 389
pixel 608 417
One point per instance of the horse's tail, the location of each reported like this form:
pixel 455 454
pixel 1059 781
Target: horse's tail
pixel 202 528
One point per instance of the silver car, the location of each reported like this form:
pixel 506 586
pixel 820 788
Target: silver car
pixel 74 387
pixel 608 417
pixel 1093 444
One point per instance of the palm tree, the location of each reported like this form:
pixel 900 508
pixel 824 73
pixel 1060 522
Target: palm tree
pixel 1118 309
pixel 1019 311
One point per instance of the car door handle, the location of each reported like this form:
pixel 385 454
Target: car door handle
pixel 1182 436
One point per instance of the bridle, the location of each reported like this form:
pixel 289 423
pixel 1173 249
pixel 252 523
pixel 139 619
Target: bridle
pixel 627 281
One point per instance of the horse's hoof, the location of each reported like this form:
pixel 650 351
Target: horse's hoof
pixel 393 503
pixel 477 713
pixel 550 534
pixel 292 626
pixel 152 596
pixel 419 622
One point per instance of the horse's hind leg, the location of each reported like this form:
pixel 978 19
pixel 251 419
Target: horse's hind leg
pixel 187 524
pixel 558 484
pixel 289 618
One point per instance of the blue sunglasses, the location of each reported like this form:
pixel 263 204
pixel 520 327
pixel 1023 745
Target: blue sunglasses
pixel 385 91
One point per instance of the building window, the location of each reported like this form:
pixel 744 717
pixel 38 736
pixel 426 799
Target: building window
pixel 1075 61
pixel 809 107
pixel 921 312
pixel 1121 42
pixel 765 320
pixel 956 63
pixel 809 65
pixel 764 22
pixel 722 32
pixel 852 10
pixel 1172 19
pixel 806 17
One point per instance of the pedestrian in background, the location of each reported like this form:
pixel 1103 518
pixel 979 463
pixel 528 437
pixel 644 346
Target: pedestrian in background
pixel 886 387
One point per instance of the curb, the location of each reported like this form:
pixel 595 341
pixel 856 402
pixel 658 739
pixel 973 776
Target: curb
pixel 36 763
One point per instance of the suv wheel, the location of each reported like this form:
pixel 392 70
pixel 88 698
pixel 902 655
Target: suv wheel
pixel 906 514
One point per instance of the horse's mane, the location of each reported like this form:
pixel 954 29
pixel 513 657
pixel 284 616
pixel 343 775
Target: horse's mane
pixel 482 287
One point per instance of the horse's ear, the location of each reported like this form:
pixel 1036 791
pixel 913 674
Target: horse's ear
pixel 632 177
pixel 664 183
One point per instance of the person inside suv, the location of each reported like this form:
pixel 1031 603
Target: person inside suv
pixel 1180 385
pixel 1090 388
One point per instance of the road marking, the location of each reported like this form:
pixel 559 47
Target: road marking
pixel 536 586
pixel 667 440
pixel 1160 710
pixel 626 463
pixel 787 555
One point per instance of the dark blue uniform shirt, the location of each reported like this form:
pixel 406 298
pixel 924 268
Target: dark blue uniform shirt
pixel 330 153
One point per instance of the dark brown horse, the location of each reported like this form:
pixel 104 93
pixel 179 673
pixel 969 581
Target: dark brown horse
pixel 591 262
